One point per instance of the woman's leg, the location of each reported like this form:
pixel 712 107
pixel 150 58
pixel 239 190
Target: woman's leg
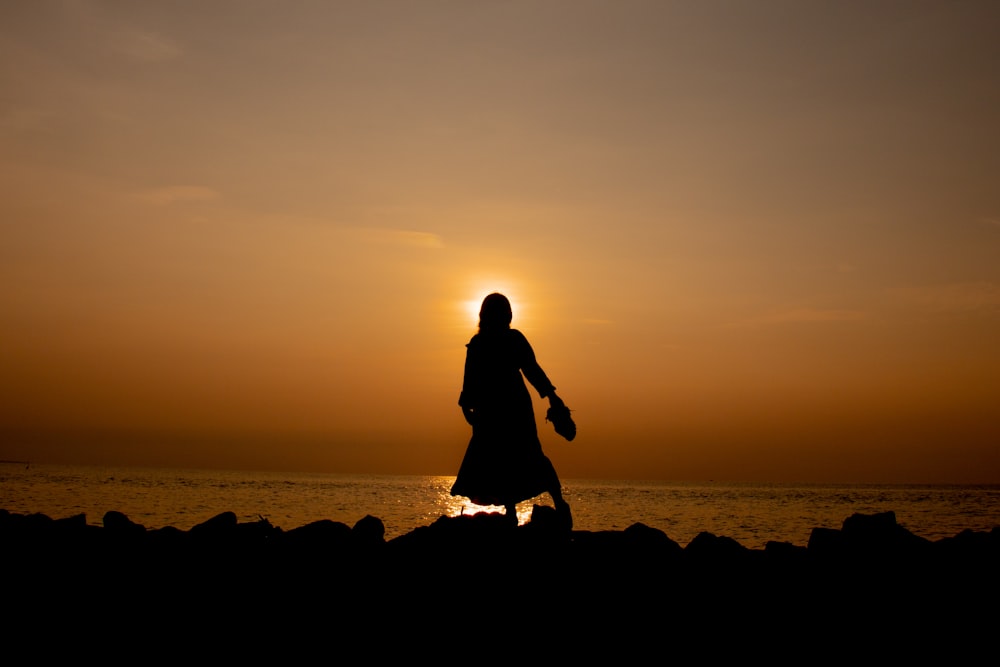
pixel 510 511
pixel 562 507
pixel 555 491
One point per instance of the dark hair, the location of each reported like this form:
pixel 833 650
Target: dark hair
pixel 495 313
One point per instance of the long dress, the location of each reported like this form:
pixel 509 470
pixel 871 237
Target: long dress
pixel 504 463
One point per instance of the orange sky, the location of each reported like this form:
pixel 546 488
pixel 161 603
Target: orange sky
pixel 748 241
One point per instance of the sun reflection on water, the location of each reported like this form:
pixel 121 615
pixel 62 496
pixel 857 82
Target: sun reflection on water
pixel 459 505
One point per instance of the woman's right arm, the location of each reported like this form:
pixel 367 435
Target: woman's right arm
pixel 466 400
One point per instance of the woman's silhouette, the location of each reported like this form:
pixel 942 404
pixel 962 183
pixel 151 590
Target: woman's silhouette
pixel 504 463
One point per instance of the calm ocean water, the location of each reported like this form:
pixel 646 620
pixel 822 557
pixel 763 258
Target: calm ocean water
pixel 750 513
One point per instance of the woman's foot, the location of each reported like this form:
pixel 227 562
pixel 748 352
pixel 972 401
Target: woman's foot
pixel 510 514
pixel 565 516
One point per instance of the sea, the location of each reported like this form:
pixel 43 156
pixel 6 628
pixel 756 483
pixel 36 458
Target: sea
pixel 752 513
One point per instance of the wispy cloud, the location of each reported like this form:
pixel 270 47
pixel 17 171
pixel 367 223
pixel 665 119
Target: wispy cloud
pixel 143 45
pixel 403 237
pixel 24 119
pixel 992 222
pixel 801 315
pixel 175 194
pixel 61 81
pixel 119 34
pixel 952 298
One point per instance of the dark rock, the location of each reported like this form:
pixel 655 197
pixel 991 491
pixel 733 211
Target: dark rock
pixel 550 521
pixel 871 555
pixel 880 531
pixel 369 530
pixel 715 547
pixel 479 530
pixel 167 536
pixel 321 533
pixel 826 543
pixel 77 522
pixel 641 535
pixel 623 589
pixel 869 541
pixel 785 552
pixel 116 523
pixel 220 525
pixel 256 532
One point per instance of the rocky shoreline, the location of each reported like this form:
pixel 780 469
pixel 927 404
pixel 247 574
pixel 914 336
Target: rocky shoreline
pixel 862 537
pixel 869 573
pixel 863 542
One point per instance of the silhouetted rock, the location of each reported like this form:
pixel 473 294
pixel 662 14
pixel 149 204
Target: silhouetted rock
pixel 869 540
pixel 369 530
pixel 881 532
pixel 785 552
pixel 220 525
pixel 168 536
pixel 709 546
pixel 641 535
pixel 117 523
pixel 972 546
pixel 871 581
pixel 827 542
pixel 323 534
pixel 870 552
pixel 483 530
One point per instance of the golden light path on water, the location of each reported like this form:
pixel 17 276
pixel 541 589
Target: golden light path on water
pixel 457 506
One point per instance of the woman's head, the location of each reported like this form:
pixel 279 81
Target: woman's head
pixel 495 312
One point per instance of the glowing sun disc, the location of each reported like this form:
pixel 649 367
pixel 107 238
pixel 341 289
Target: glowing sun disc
pixel 472 306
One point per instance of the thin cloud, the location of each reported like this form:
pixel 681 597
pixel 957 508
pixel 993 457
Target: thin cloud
pixel 176 194
pixel 122 36
pixel 803 315
pixel 402 237
pixel 952 298
pixel 992 222
pixel 146 46
pixel 18 120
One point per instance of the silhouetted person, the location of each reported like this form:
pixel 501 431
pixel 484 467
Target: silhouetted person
pixel 504 463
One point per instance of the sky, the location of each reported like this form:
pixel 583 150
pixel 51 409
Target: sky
pixel 748 241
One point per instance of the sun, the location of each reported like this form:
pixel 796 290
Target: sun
pixel 471 306
pixel 472 309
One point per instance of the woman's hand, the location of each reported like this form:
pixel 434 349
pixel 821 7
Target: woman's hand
pixel 559 415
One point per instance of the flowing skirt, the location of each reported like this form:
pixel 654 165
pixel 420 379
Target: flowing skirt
pixel 504 463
